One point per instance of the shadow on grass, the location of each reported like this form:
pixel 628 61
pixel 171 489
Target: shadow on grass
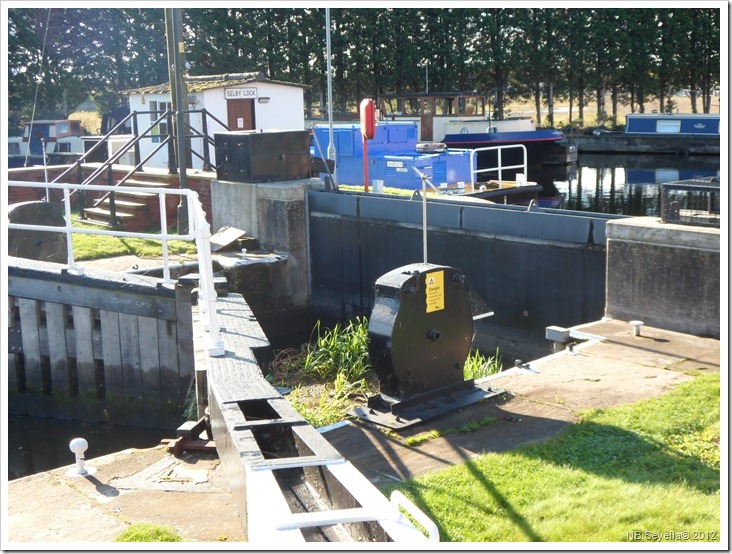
pixel 613 452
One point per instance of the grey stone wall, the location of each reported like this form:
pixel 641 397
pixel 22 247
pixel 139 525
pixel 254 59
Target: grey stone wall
pixel 665 275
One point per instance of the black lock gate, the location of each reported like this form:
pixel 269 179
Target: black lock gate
pixel 420 334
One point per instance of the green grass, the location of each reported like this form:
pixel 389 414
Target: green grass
pixel 647 468
pixel 148 532
pixel 467 427
pixel 95 247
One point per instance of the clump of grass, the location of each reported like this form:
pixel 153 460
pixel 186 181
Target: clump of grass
pixel 148 532
pixel 477 365
pixel 338 358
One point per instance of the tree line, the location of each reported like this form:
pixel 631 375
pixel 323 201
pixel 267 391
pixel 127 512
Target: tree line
pixel 638 57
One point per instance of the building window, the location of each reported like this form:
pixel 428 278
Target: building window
pixel 156 110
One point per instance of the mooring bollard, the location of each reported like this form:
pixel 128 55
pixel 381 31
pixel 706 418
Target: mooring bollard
pixel 78 446
pixel 636 327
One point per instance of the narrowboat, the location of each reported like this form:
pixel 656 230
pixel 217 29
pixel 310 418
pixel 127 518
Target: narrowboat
pixel 657 133
pixel 462 120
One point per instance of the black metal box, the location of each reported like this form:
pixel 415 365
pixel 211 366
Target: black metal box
pixel 260 157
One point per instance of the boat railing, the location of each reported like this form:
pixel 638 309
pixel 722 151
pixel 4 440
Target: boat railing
pixel 474 171
pixel 199 231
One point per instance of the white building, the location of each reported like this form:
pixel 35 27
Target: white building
pixel 242 101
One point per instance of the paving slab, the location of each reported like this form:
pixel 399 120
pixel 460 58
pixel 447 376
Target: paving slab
pixel 188 493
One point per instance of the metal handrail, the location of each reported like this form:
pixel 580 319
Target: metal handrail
pixel 199 230
pixel 473 166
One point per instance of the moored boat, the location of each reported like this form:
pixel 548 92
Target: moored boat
pixel 462 120
pixel 657 133
pixel 60 140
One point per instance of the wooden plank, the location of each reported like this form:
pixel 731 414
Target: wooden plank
pixel 168 361
pixel 130 351
pixel 57 353
pixel 111 352
pixel 12 373
pixel 84 349
pixel 150 302
pixel 149 358
pixel 29 323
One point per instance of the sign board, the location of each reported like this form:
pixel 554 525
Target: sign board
pixel 240 93
pixel 435 291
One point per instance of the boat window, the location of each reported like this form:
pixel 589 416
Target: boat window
pixel 442 106
pixel 62 128
pixel 14 149
pixel 672 126
pixel 391 106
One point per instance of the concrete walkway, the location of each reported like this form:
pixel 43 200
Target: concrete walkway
pixel 191 494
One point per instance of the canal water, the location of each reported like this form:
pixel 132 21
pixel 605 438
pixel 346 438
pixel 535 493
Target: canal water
pixel 617 184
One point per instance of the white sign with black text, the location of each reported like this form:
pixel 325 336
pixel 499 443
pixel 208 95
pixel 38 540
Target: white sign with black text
pixel 239 93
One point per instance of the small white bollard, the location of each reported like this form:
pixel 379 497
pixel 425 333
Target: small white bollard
pixel 378 186
pixel 636 327
pixel 78 446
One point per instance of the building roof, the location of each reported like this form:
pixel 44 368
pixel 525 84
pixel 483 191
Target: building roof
pixel 198 83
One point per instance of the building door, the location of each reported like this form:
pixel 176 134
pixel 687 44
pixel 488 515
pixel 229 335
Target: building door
pixel 240 114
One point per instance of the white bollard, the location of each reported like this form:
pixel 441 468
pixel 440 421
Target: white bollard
pixel 636 327
pixel 78 446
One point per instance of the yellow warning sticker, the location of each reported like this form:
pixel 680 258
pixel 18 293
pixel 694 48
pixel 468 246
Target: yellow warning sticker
pixel 435 291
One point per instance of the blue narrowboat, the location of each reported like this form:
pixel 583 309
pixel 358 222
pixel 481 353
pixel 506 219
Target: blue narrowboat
pixel 703 125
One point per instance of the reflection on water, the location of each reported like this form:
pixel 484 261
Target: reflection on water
pixel 617 184
pixel 42 444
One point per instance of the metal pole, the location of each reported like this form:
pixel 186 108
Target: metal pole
pixel 424 217
pixel 331 145
pixel 174 25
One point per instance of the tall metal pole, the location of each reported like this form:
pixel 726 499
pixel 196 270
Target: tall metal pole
pixel 331 145
pixel 174 32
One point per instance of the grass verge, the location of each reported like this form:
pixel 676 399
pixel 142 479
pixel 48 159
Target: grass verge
pixel 95 247
pixel 647 471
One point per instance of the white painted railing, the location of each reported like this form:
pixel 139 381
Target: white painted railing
pixel 500 167
pixel 199 230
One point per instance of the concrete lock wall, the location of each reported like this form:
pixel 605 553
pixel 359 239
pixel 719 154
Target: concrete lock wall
pixel 274 214
pixel 666 275
pixel 531 268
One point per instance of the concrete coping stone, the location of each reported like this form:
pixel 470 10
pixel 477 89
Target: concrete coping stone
pixel 651 230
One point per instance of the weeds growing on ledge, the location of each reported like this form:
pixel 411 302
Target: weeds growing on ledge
pixel 332 373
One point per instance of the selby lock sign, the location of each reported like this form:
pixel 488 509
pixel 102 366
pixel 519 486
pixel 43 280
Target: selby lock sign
pixel 240 93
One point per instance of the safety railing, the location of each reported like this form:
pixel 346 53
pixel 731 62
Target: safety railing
pixel 199 231
pixel 692 202
pixel 474 171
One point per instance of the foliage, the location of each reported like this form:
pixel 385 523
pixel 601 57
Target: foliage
pixel 148 532
pixel 335 364
pixel 632 472
pixel 477 365
pixel 632 54
pixel 91 122
pixel 93 247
